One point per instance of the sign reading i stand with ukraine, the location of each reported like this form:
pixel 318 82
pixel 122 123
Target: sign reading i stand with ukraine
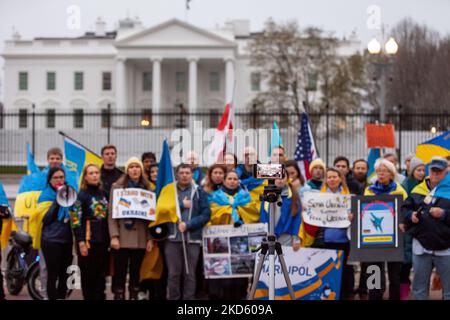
pixel 315 275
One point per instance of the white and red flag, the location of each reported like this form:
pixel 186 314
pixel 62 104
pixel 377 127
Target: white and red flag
pixel 223 136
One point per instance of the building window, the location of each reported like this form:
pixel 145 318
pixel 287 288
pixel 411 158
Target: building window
pixel 78 118
pixel 106 81
pixel 180 81
pixel 51 81
pixel 23 118
pixel 105 118
pixel 78 80
pixel 23 81
pixel 312 81
pixel 147 81
pixel 214 81
pixel 255 79
pixel 51 118
pixel 146 120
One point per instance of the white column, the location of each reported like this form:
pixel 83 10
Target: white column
pixel 121 86
pixel 192 84
pixel 229 79
pixel 121 90
pixel 156 89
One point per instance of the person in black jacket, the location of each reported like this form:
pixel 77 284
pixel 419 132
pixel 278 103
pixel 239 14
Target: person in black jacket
pixel 430 230
pixel 56 238
pixel 109 172
pixel 343 165
pixel 89 217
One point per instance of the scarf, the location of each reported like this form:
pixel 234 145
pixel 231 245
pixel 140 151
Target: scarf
pixel 241 198
pixel 378 188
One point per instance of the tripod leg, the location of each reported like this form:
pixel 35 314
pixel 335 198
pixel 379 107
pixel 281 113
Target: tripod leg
pixel 286 275
pixel 262 257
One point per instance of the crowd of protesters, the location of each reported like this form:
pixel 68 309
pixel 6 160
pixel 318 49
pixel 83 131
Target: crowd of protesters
pixel 226 194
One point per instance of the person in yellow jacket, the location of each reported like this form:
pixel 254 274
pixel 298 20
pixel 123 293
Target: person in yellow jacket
pixel 386 184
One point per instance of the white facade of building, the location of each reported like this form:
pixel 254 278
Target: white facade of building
pixel 182 64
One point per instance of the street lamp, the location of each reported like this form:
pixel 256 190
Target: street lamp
pixel 375 48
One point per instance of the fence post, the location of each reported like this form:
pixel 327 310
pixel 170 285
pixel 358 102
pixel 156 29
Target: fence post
pixel 109 124
pixel 400 135
pixel 33 130
pixel 327 131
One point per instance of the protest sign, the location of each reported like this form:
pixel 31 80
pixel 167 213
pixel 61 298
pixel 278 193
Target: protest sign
pixel 326 209
pixel 315 274
pixel 228 250
pixel 380 135
pixel 134 203
pixel 375 232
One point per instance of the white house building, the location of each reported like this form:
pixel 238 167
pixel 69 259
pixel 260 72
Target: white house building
pixel 132 69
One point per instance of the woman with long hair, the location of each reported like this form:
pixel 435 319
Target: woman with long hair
pixel 89 217
pixel 214 178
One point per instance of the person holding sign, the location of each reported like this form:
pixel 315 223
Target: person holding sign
pixel 231 204
pixel 336 238
pixel 386 184
pixel 129 236
pixel 89 217
pixel 195 213
pixel 288 217
pixel 427 216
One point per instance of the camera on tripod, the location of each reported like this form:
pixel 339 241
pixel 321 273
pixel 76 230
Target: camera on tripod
pixel 271 172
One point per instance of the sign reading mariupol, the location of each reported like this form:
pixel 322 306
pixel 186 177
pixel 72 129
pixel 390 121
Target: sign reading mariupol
pixel 134 203
pixel 327 209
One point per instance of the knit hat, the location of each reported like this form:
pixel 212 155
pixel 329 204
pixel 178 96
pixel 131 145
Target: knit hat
pixel 414 163
pixel 409 157
pixel 133 160
pixel 315 163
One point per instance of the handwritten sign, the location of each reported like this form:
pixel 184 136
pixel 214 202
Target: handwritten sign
pixel 327 209
pixel 133 203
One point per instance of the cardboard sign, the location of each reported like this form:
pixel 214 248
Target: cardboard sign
pixel 227 251
pixel 326 209
pixel 375 235
pixel 134 203
pixel 315 274
pixel 380 135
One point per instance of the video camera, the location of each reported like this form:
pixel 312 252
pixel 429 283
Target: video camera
pixel 271 172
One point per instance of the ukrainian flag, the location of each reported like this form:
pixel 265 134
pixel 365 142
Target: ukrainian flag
pixel 77 157
pixel 276 140
pixel 31 165
pixel 167 207
pixel 8 224
pixel 374 155
pixel 443 188
pixel 438 146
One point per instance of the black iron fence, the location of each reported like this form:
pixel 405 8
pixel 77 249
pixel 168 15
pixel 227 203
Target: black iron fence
pixel 136 132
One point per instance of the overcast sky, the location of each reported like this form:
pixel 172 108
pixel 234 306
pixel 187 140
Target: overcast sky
pixel 38 18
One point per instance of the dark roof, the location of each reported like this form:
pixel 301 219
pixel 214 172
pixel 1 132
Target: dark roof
pixel 86 36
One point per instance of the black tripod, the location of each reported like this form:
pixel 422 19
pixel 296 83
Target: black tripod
pixel 271 247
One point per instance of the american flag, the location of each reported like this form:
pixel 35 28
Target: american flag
pixel 305 151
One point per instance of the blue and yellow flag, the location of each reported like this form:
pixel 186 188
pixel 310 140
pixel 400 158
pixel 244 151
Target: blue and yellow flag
pixel 275 140
pixel 374 155
pixel 167 207
pixel 8 224
pixel 436 147
pixel 443 188
pixel 77 157
pixel 31 164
